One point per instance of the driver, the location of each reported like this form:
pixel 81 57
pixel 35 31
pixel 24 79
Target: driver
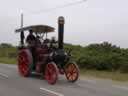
pixel 31 39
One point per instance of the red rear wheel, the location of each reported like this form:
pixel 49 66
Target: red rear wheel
pixel 51 73
pixel 24 62
pixel 71 72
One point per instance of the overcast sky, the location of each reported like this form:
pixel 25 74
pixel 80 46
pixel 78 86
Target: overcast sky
pixel 93 21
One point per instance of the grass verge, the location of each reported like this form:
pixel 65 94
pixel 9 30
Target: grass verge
pixel 7 60
pixel 105 75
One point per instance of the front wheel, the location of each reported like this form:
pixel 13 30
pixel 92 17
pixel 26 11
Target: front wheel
pixel 72 72
pixel 51 73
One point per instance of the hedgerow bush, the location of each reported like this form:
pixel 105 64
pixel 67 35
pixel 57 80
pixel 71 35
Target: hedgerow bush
pixel 104 56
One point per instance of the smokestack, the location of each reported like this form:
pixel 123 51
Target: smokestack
pixel 61 22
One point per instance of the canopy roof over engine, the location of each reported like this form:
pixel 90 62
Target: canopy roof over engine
pixel 36 29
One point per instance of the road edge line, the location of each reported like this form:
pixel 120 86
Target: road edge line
pixel 3 75
pixel 50 91
pixel 120 87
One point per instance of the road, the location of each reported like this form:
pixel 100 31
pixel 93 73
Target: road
pixel 11 84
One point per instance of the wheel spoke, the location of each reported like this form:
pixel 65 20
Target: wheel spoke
pixel 69 75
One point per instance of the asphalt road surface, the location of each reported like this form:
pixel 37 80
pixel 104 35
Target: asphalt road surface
pixel 11 84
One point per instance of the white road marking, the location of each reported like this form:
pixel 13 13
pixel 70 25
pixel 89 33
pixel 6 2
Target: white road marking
pixel 3 75
pixel 121 87
pixel 53 92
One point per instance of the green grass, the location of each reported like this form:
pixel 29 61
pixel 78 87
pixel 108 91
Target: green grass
pixel 105 75
pixel 7 60
pixel 8 55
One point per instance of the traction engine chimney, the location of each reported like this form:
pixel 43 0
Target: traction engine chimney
pixel 61 22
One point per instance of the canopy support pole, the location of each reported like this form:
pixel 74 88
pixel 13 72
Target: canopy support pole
pixel 22 33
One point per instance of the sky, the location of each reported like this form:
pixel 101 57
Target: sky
pixel 93 21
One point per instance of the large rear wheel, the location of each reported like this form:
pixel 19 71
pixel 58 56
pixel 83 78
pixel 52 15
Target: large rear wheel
pixel 24 62
pixel 51 73
pixel 71 72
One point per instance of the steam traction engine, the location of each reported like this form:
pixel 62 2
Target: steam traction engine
pixel 44 56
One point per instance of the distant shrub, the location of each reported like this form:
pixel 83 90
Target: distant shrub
pixel 5 45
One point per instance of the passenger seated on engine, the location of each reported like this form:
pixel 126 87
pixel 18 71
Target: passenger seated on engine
pixel 46 43
pixel 53 43
pixel 38 42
